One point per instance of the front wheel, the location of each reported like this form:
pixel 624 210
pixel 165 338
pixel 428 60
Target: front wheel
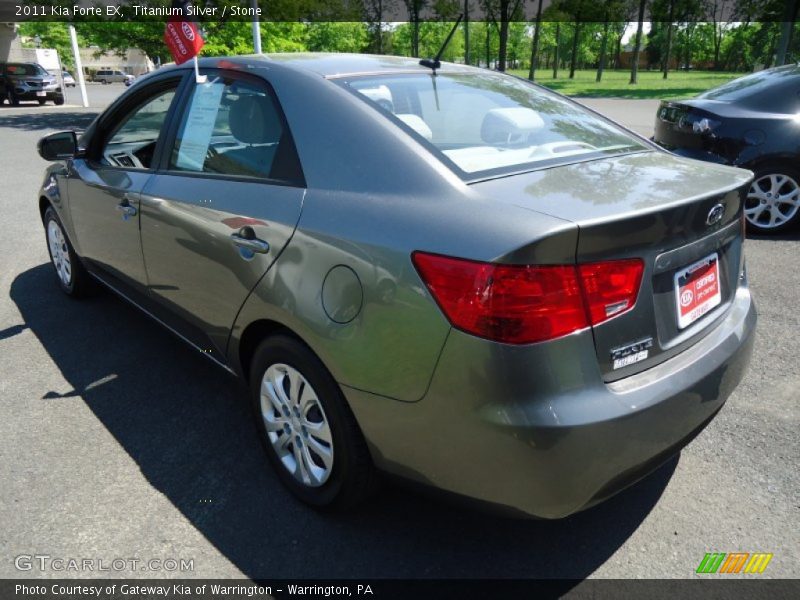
pixel 773 201
pixel 41 101
pixel 58 101
pixel 310 435
pixel 72 277
pixel 12 99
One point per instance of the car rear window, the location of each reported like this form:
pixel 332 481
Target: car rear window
pixel 484 123
pixel 773 89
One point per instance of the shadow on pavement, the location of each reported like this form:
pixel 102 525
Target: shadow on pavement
pixel 37 120
pixel 188 427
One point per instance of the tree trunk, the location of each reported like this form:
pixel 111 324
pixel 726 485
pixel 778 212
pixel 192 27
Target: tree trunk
pixel 618 51
pixel 415 35
pixel 503 50
pixel 639 28
pixel 787 27
pixel 488 45
pixel 601 65
pixel 466 32
pixel 574 56
pixel 535 45
pixel 669 37
pixel 558 43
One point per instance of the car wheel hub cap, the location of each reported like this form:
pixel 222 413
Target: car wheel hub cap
pixel 296 425
pixel 59 252
pixel 772 201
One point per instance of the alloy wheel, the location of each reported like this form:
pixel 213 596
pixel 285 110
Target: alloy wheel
pixel 773 200
pixel 59 252
pixel 296 425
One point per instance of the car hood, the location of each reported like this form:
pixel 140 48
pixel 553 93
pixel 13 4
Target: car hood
pixel 615 187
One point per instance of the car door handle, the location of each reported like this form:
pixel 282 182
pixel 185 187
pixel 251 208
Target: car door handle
pixel 126 209
pixel 250 243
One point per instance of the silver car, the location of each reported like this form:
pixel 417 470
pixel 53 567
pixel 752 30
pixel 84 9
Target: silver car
pixel 451 275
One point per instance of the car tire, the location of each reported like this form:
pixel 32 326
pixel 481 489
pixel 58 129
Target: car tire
pixel 41 101
pixel 310 435
pixel 12 99
pixel 58 101
pixel 71 275
pixel 765 215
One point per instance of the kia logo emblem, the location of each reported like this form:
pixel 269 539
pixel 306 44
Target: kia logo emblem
pixel 715 214
pixel 188 31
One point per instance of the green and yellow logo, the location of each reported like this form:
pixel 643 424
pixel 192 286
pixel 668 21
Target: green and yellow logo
pixel 735 562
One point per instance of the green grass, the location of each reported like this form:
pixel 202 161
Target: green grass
pixel 679 84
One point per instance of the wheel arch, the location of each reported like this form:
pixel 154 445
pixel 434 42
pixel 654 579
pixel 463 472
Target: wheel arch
pixel 784 159
pixel 44 204
pixel 252 336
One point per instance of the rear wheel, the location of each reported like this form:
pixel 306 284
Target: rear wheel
pixel 773 202
pixel 41 101
pixel 12 99
pixel 72 277
pixel 58 101
pixel 310 435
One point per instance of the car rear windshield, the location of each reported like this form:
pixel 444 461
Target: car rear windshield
pixel 769 90
pixel 485 123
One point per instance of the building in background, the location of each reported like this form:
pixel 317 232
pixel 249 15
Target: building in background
pixel 134 62
pixel 10 45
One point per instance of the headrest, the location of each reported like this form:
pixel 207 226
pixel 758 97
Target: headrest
pixel 253 120
pixel 416 123
pixel 510 125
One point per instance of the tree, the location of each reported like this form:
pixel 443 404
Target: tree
pixel 717 8
pixel 328 36
pixel 668 49
pixel 414 9
pixel 373 14
pixel 500 13
pixel 639 28
pixel 52 35
pixel 535 45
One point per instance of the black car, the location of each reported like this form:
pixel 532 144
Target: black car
pixel 28 81
pixel 752 122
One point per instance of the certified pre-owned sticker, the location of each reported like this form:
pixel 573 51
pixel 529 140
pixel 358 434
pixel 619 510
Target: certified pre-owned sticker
pixel 631 354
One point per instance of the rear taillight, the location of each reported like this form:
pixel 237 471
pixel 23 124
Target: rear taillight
pixel 610 287
pixel 522 304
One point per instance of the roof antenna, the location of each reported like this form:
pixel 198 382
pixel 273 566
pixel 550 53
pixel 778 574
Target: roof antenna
pixel 435 63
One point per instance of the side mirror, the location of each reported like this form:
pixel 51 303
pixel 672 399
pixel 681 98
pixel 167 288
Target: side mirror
pixel 58 146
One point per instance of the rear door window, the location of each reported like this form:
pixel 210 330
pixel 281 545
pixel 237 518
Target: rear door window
pixel 234 127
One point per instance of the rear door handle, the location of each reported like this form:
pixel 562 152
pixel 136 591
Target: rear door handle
pixel 250 243
pixel 126 208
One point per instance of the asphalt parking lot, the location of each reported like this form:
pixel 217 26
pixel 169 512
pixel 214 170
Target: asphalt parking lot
pixel 117 441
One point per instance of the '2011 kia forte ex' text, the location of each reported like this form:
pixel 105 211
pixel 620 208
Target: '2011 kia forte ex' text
pixel 437 271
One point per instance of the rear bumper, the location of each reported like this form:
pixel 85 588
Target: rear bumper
pixel 535 430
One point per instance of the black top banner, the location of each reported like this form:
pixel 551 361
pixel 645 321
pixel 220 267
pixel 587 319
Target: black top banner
pixel 388 11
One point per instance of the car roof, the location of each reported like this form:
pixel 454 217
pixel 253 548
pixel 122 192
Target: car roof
pixel 331 65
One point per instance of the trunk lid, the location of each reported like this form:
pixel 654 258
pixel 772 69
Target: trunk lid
pixel 675 123
pixel 649 205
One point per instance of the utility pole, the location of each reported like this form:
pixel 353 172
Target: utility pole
pixel 78 65
pixel 256 30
